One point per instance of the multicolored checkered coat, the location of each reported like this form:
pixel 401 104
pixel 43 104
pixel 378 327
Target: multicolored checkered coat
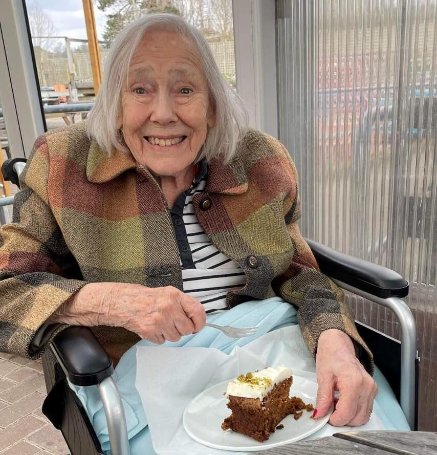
pixel 85 216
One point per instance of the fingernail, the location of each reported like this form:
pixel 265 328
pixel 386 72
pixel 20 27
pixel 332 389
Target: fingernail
pixel 314 414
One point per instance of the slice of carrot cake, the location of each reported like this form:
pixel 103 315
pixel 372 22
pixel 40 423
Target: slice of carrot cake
pixel 259 401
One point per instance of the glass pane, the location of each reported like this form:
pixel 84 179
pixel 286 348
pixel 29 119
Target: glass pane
pixel 62 58
pixel 358 109
pixel 212 17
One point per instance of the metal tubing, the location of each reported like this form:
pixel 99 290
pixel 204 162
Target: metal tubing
pixel 68 107
pixel 6 201
pixel 408 348
pixel 114 416
pixel 64 107
pixel 2 215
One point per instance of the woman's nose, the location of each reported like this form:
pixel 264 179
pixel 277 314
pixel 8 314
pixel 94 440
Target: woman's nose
pixel 163 110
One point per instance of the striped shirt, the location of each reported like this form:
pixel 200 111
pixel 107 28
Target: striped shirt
pixel 207 274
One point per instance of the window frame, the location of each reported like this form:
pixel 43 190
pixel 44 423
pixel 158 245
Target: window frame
pixel 255 61
pixel 22 108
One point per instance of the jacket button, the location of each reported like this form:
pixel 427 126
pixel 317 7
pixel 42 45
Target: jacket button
pixel 252 262
pixel 206 203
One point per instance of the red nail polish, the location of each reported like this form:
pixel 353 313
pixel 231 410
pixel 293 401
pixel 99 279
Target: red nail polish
pixel 314 414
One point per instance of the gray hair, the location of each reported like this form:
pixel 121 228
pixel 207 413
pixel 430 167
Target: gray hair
pixel 230 113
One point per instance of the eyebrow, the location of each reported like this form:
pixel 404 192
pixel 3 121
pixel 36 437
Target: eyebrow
pixel 138 72
pixel 179 73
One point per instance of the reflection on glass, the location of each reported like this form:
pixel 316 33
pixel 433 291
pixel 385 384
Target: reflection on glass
pixel 358 108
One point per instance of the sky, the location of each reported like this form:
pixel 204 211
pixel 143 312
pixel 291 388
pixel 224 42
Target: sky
pixel 68 17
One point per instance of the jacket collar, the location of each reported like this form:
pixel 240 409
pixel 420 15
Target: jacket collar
pixel 103 167
pixel 222 178
pixel 227 178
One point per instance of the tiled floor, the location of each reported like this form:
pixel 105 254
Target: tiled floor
pixel 24 430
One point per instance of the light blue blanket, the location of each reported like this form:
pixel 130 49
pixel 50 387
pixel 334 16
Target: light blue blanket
pixel 268 315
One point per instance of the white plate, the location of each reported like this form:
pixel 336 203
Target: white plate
pixel 204 415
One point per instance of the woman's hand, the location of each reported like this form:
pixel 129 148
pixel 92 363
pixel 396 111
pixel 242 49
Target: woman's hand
pixel 156 314
pixel 338 369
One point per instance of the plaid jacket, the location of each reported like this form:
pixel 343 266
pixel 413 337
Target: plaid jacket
pixel 85 216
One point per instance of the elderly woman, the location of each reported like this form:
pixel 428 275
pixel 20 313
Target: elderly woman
pixel 164 207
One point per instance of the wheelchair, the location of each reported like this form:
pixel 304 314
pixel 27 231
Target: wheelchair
pixel 76 355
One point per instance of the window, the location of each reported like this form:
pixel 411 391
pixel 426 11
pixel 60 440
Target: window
pixel 62 57
pixel 358 112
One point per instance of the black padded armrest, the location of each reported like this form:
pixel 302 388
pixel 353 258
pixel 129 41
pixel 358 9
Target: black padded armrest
pixel 374 279
pixel 81 356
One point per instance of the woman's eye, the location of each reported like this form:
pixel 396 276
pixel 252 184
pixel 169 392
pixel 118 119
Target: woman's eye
pixel 185 91
pixel 139 90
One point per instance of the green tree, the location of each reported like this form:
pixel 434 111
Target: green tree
pixel 120 12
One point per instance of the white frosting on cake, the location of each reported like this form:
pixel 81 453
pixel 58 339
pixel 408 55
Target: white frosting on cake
pixel 258 383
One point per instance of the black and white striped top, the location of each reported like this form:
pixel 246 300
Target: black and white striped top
pixel 207 273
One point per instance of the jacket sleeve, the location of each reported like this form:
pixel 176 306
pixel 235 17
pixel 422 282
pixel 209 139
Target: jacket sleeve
pixel 321 303
pixel 37 271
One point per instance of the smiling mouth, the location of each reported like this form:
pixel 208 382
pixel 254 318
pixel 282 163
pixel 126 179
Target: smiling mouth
pixel 164 142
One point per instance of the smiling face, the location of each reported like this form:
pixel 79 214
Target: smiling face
pixel 165 107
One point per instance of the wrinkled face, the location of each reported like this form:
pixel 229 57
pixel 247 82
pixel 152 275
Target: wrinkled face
pixel 165 107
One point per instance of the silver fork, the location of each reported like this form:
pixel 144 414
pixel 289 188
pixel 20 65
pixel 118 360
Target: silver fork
pixel 234 332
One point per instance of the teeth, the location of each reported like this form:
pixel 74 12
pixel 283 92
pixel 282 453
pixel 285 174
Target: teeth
pixel 164 142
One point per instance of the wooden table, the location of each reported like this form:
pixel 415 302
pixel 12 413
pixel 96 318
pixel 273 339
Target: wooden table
pixel 364 442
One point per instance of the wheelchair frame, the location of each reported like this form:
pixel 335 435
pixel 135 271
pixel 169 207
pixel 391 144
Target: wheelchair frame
pixel 75 353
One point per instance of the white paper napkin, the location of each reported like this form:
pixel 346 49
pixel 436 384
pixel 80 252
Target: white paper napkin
pixel 169 378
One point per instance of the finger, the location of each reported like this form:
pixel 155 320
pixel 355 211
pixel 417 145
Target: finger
pixel 352 398
pixel 325 394
pixel 356 394
pixel 362 417
pixel 195 311
pixel 184 325
pixel 366 407
pixel 170 332
pixel 185 314
pixel 157 339
pixel 357 390
pixel 345 410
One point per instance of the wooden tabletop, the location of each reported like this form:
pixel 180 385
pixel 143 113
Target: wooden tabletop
pixel 364 442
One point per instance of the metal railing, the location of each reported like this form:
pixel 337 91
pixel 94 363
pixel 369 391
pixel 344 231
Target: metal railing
pixel 63 108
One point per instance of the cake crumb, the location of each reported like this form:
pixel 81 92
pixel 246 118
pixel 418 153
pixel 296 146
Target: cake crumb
pixel 280 426
pixel 297 415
